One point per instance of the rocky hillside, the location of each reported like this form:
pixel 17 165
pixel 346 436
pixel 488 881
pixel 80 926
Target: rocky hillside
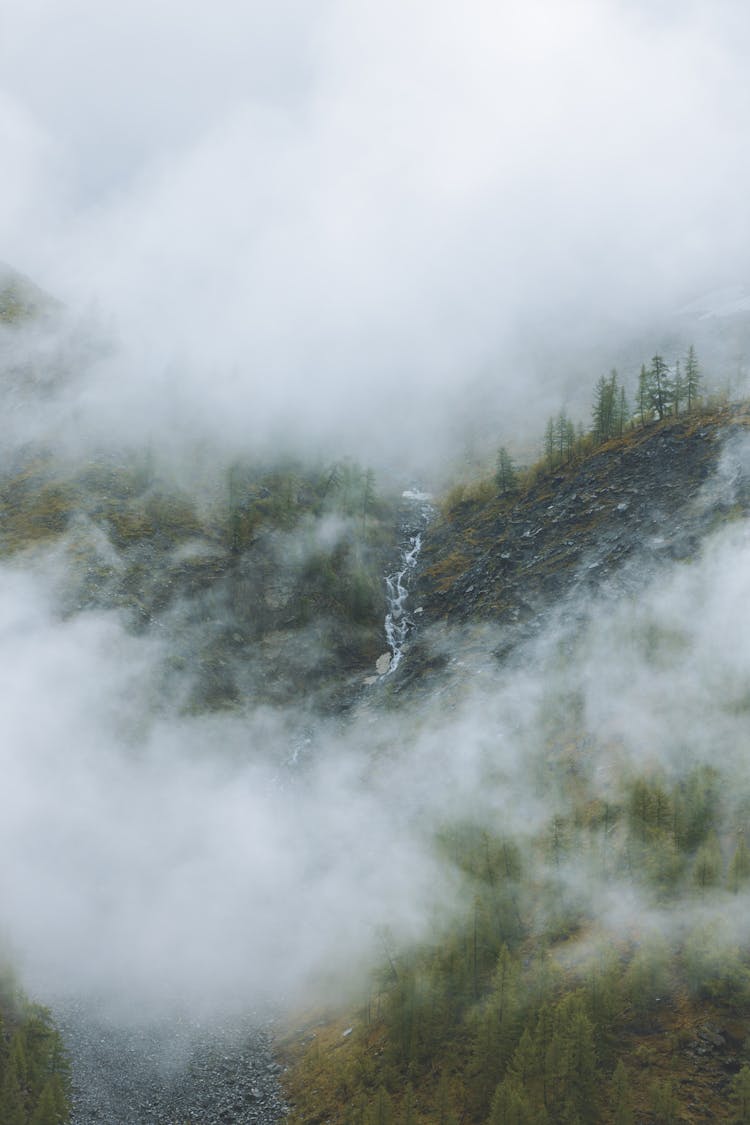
pixel 641 498
pixel 595 973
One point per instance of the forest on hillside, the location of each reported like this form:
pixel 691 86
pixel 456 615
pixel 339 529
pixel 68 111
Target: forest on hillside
pixel 600 967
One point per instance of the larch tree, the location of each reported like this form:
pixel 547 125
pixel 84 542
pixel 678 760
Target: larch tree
pixel 505 472
pixel 644 395
pixel 692 379
pixel 660 389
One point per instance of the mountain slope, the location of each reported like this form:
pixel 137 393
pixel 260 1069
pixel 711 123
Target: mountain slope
pixel 505 558
pixel 590 631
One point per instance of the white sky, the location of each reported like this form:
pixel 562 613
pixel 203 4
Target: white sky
pixel 336 214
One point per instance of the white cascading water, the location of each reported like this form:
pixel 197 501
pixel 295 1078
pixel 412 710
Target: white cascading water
pixel 398 623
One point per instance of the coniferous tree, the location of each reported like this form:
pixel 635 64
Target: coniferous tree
pixel 663 1102
pixel 505 472
pixel 46 1112
pixel 382 1111
pixel 550 441
pixel 622 1105
pixel 692 379
pixel 610 408
pixel 409 1111
pixel 368 497
pixel 545 1052
pixel 524 1064
pixel 740 1096
pixel 510 1106
pixel 566 436
pixel 739 867
pixel 644 395
pixel 444 1113
pixel 605 399
pixel 559 439
pixel 707 868
pixel 578 1059
pixel 12 1102
pixel 622 412
pixel 660 389
pixel 678 388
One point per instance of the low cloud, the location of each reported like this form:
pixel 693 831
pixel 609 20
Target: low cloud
pixel 327 226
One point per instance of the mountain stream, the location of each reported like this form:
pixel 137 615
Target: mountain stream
pixel 399 622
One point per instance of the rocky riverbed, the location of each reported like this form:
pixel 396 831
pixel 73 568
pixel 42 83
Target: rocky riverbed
pixel 173 1071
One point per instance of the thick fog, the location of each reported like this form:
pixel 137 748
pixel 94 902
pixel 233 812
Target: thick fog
pixel 359 223
pixel 153 856
pixel 349 227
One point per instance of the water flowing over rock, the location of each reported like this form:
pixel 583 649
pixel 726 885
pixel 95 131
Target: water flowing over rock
pixel 418 512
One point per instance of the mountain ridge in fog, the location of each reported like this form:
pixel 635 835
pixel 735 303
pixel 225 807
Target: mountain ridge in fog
pixel 217 801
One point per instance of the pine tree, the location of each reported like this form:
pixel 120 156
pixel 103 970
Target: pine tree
pixel 559 439
pixel 546 1053
pixel 444 1114
pixel 610 408
pixel 505 472
pixel 644 395
pixel 740 1096
pixel 692 379
pixel 567 433
pixel 660 388
pixel 510 1106
pixel 578 1058
pixel 605 395
pixel 622 413
pixel 382 1111
pixel 550 441
pixel 46 1112
pixel 679 390
pixel 409 1111
pixel 663 1102
pixel 622 1106
pixel 707 868
pixel 12 1108
pixel 739 867
pixel 524 1064
pixel 368 497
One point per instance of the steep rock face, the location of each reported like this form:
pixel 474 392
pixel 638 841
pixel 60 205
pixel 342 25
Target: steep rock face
pixel 650 496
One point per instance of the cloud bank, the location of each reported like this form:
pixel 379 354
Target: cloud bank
pixel 330 220
pixel 222 860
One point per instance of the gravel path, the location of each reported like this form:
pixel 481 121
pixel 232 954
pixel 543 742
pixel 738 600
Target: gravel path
pixel 168 1072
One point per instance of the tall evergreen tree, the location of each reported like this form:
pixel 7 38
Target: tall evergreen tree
pixel 12 1101
pixel 622 1105
pixel 622 412
pixel 510 1106
pixel 692 379
pixel 409 1110
pixel 605 399
pixel 660 389
pixel 739 867
pixel 679 390
pixel 550 441
pixel 741 1096
pixel 505 472
pixel 610 408
pixel 644 395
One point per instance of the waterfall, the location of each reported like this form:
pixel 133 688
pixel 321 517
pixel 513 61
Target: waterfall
pixel 398 622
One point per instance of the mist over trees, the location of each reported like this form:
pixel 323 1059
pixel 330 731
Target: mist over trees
pixel 662 392
pixel 34 1068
